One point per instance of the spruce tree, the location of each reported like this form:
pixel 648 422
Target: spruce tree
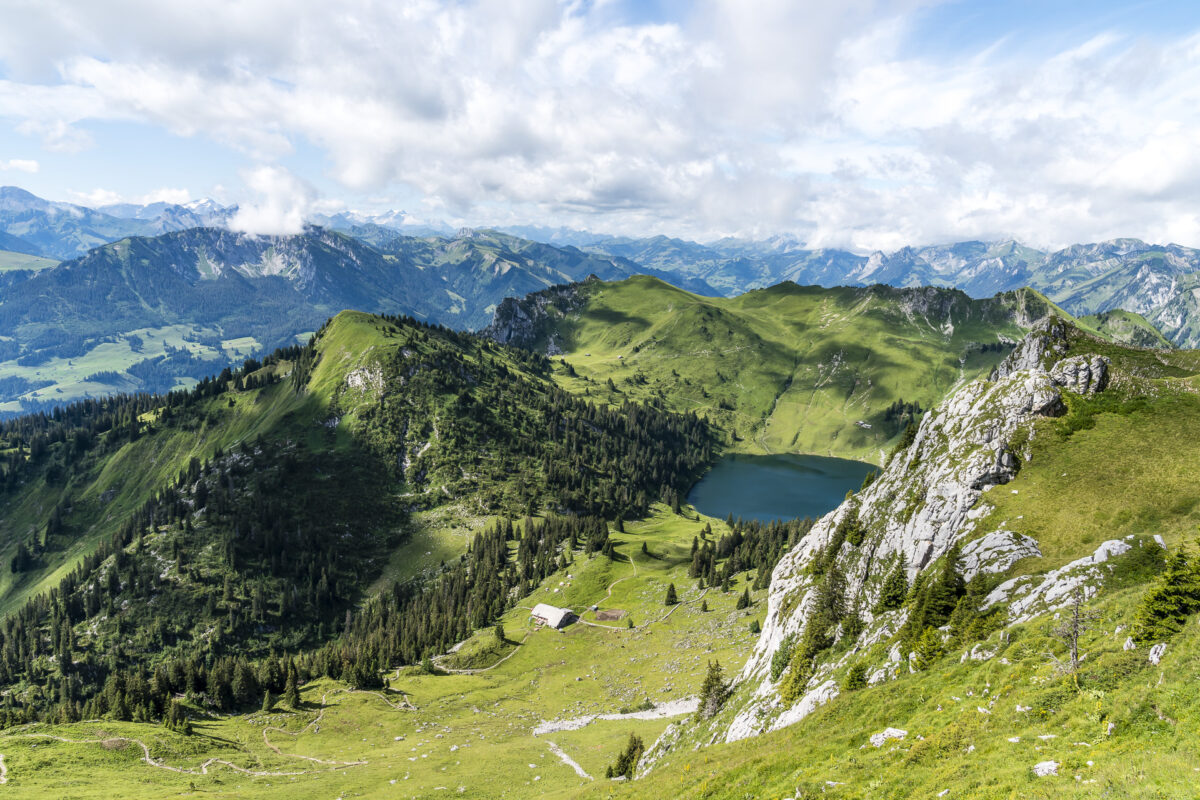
pixel 713 692
pixel 291 692
pixel 1175 596
pixel 672 598
pixel 895 587
pixel 743 601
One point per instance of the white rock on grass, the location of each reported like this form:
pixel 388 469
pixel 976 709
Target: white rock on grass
pixel 1156 653
pixel 1044 769
pixel 881 738
pixel 1129 644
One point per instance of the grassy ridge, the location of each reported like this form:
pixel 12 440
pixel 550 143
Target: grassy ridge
pixel 790 368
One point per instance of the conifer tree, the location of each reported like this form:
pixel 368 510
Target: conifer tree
pixel 1174 597
pixel 713 692
pixel 672 598
pixel 291 692
pixel 895 587
pixel 743 601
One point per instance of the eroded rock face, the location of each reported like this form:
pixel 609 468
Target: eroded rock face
pixel 925 501
pixel 996 552
pixel 1081 374
pixel 1028 596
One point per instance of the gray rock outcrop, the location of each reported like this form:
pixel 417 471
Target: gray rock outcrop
pixel 929 497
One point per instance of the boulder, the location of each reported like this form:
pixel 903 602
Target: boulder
pixel 881 738
pixel 1156 653
pixel 1045 768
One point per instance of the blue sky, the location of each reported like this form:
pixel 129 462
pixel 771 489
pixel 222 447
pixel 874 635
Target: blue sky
pixel 866 123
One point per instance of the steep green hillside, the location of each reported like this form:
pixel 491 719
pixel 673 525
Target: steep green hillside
pixel 785 369
pixel 1125 327
pixel 1057 549
pixel 512 712
pixel 244 517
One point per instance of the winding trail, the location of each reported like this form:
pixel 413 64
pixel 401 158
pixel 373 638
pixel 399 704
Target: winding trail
pixel 154 762
pixel 315 723
pixel 203 769
pixel 478 670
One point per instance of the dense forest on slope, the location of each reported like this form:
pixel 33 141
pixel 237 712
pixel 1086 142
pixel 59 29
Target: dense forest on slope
pixel 161 544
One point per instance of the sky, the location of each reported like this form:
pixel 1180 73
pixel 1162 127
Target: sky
pixel 866 124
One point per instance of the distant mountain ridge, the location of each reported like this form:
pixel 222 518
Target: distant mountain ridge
pixel 1156 281
pixel 146 312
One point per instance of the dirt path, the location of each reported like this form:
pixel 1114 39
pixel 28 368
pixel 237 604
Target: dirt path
pixel 671 708
pixel 570 762
pixel 476 671
pixel 203 768
pixel 652 622
pixel 152 761
pixel 315 724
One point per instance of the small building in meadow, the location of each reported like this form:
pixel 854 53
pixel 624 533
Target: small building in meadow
pixel 555 617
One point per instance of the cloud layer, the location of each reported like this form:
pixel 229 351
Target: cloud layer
pixel 827 120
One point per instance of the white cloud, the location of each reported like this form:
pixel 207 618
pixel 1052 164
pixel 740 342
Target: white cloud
pixel 19 165
pixel 96 197
pixel 825 119
pixel 282 202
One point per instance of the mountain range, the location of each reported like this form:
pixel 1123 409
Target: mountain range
pixel 178 294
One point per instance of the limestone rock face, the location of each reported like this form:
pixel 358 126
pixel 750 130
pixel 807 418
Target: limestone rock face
pixel 1081 374
pixel 927 499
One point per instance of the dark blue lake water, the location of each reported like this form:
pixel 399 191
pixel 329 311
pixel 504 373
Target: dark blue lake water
pixel 777 486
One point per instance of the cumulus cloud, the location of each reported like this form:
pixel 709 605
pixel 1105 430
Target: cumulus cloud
pixel 106 197
pixel 280 205
pixel 19 165
pixel 827 120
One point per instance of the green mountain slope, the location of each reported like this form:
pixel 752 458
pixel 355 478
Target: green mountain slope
pixel 784 369
pixel 1094 513
pixel 158 313
pixel 1100 464
pixel 244 517
pixel 1124 326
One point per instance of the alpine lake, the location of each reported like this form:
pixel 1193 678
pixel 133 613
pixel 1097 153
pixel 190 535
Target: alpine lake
pixel 773 487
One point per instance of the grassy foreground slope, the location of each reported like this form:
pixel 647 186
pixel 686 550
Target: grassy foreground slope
pixel 478 734
pixel 785 369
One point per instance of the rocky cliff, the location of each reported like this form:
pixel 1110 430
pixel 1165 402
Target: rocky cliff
pixel 930 497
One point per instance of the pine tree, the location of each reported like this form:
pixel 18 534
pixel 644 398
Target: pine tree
pixel 743 600
pixel 714 691
pixel 895 587
pixel 755 627
pixel 266 705
pixel 291 692
pixel 929 648
pixel 856 677
pixel 1175 596
pixel 672 597
pixel 628 760
pixel 499 629
pixel 703 606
